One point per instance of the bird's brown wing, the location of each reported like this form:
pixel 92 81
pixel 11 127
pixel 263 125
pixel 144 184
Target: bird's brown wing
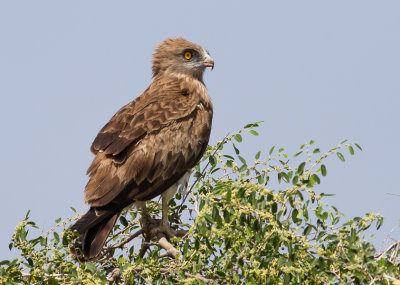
pixel 154 139
pixel 163 102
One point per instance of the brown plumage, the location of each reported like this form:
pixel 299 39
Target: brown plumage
pixel 150 143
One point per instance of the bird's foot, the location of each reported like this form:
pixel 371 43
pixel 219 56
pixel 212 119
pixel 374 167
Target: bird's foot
pixel 155 228
pixel 166 229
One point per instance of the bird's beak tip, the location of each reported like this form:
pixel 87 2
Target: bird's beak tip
pixel 209 63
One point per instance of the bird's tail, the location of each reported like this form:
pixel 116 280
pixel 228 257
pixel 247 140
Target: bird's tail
pixel 94 228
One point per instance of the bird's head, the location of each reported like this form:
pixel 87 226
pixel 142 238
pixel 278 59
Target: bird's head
pixel 181 56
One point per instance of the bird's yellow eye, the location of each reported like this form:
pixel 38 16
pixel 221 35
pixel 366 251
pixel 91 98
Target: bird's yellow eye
pixel 188 55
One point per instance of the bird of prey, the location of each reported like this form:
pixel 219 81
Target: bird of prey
pixel 150 145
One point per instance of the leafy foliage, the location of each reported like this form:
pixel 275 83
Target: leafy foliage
pixel 252 222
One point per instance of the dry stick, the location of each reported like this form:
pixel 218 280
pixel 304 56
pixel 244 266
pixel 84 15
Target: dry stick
pixel 115 274
pixel 131 237
pixel 121 244
pixel 198 276
pixel 393 245
pixel 117 234
pixel 48 276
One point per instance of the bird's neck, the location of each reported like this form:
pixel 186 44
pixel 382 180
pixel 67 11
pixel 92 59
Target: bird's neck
pixel 196 76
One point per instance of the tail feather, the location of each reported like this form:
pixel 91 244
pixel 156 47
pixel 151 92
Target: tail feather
pixel 93 228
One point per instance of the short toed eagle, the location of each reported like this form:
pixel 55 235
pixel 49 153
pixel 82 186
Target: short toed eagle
pixel 150 145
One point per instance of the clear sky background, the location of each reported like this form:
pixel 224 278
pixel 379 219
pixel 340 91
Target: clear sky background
pixel 321 70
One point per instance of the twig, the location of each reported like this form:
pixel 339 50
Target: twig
pixel 393 245
pixel 131 237
pixel 117 234
pixel 47 276
pixel 200 277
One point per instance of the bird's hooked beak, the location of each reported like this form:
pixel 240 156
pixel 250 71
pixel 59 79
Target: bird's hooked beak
pixel 208 61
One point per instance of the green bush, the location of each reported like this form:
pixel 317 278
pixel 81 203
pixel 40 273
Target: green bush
pixel 256 221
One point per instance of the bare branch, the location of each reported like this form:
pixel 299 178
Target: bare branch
pixel 125 241
pixel 170 249
pixel 200 277
pixel 121 231
pixel 393 245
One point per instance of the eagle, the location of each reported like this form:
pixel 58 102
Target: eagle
pixel 150 145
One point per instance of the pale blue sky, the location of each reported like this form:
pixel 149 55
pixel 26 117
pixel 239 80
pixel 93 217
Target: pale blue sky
pixel 310 69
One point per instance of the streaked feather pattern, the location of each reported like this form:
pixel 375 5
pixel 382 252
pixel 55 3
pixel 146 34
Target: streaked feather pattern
pixel 148 145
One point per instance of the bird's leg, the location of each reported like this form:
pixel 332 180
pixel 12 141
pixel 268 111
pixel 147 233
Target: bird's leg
pixel 165 227
pixel 145 220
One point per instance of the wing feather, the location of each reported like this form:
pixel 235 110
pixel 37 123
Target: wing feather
pixel 151 142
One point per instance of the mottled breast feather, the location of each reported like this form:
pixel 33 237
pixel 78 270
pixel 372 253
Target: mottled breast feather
pixel 151 142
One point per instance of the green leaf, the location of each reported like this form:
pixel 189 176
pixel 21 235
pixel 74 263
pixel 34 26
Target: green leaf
pixel 73 209
pixel 252 125
pixel 243 168
pixel 238 138
pixel 351 150
pixel 340 155
pixel 27 215
pixel 260 178
pixel 52 281
pixel 315 179
pixel 258 155
pixel 229 156
pixel 212 160
pixel 295 213
pixel 300 169
pixel 123 221
pixel 228 195
pixel 241 192
pixel 323 170
pixel 23 234
pixel 284 176
pixel 220 273
pixel 359 147
pixel 56 237
pixel 254 133
pixel 242 159
pixel 307 230
pixel 90 267
pixel 216 216
pixel 316 150
pixel 274 207
pixel 235 148
pixel 209 218
pixel 271 150
pixel 202 230
pixel 297 154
